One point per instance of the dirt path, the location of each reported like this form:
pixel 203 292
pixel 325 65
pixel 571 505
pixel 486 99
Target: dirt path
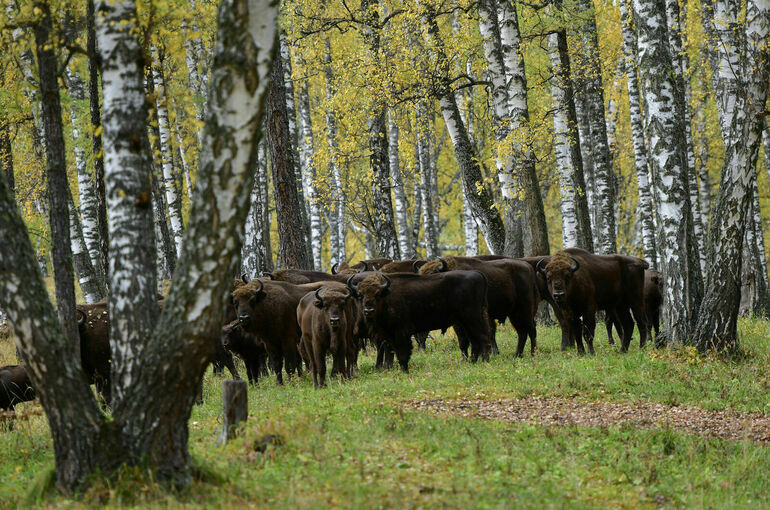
pixel 561 411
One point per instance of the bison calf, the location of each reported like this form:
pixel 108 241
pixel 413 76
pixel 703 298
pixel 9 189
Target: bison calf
pixel 251 351
pixel 15 387
pixel 327 318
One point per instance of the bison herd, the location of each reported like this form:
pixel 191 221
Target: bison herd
pixel 291 316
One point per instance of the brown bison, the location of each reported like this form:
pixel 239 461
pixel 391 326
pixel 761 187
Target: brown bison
pixel 582 283
pixel 235 339
pixel 343 268
pixel 267 310
pixel 327 320
pixel 15 387
pixel 403 266
pixel 302 276
pixel 371 264
pixel 397 306
pixel 653 300
pixel 511 293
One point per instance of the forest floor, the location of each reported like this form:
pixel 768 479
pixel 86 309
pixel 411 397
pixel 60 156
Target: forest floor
pixel 640 430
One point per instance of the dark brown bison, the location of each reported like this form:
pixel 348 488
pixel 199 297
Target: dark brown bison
pixel 371 264
pixel 403 266
pixel 511 293
pixel 653 300
pixel 247 347
pixel 15 387
pixel 327 320
pixel 268 311
pixel 302 276
pixel 397 306
pixel 582 283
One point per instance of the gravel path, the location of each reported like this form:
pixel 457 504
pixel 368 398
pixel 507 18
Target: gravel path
pixel 561 411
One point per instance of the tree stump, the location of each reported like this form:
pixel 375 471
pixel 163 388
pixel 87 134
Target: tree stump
pixel 234 408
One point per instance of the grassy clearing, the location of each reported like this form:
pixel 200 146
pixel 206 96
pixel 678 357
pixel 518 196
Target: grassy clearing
pixel 354 445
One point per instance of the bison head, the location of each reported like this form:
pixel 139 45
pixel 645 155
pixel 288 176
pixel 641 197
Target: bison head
pixel 371 290
pixel 245 299
pixel 333 303
pixel 558 273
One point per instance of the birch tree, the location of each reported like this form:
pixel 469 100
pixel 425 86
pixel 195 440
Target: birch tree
pixel 257 252
pixel 645 210
pixel 665 134
pixel 338 224
pixel 173 197
pixel 146 425
pixel 591 78
pixel 402 221
pixel 743 61
pixel 423 156
pixel 93 289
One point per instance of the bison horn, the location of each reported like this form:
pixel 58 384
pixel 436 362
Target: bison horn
pixel 245 278
pixel 366 265
pixel 259 290
pixel 540 267
pixel 334 267
pixel 319 298
pixel 444 266
pixel 416 266
pixel 576 266
pixel 81 316
pixel 387 281
pixel 352 286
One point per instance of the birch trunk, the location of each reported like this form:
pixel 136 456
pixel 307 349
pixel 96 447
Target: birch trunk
pixel 745 45
pixel 641 158
pixel 338 227
pixel 665 132
pixel 173 198
pixel 600 154
pixel 681 64
pixel 701 161
pixel 6 155
pixel 292 248
pixel 58 186
pixel 586 155
pixel 257 254
pixel 196 66
pixel 164 245
pixel 429 228
pixel 97 154
pixel 93 291
pixel 417 207
pixel 306 145
pixel 402 221
pixel 536 233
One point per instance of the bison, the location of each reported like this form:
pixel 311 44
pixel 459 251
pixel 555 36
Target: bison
pixel 302 276
pixel 511 293
pixel 582 283
pixel 653 300
pixel 403 266
pixel 267 310
pixel 235 339
pixel 371 264
pixel 15 387
pixel 327 320
pixel 397 306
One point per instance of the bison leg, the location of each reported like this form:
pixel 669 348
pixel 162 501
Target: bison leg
pixel 421 338
pixel 492 339
pixel 276 364
pixel 319 366
pixel 462 341
pixel 576 332
pixel 404 353
pixel 589 329
pixel 641 322
pixel 611 319
pixel 628 329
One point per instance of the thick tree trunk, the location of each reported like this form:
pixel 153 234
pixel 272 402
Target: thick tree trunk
pixel 58 186
pixel 173 197
pixel 338 227
pixel 745 93
pixel 600 154
pixel 96 139
pixel 755 300
pixel 645 205
pixel 292 250
pixel 665 132
pixel 306 145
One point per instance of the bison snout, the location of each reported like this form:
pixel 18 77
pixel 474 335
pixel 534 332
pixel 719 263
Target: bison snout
pixel 559 295
pixel 368 312
pixel 244 319
pixel 226 342
pixel 334 321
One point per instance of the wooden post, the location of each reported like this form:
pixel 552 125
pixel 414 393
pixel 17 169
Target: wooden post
pixel 234 407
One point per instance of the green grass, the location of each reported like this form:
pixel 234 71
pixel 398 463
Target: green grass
pixel 355 445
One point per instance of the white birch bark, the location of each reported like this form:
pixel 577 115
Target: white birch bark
pixel 645 209
pixel 306 145
pixel 399 196
pixel 563 150
pixel 704 181
pixel 93 290
pixel 86 191
pixel 182 155
pixel 339 224
pixel 429 231
pixel 257 254
pixel 164 130
pixel 663 129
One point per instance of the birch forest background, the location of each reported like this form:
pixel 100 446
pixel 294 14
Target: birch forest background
pixel 363 130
